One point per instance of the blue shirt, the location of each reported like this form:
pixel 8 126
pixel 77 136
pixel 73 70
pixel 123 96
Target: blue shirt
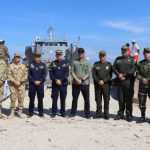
pixel 37 72
pixel 60 70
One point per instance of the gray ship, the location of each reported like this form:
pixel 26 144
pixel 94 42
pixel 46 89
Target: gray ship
pixel 47 47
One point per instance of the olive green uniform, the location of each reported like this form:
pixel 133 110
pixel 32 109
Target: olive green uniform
pixel 102 71
pixel 125 65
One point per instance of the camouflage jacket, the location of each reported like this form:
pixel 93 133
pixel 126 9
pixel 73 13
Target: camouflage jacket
pixel 17 73
pixel 144 69
pixel 3 70
pixel 5 53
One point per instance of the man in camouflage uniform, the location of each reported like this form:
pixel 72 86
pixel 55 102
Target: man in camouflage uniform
pixel 17 76
pixel 3 77
pixel 4 50
pixel 102 73
pixel 144 82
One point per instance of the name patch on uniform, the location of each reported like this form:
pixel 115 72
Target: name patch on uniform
pixel 54 65
pixel 41 67
pixel 107 67
pixel 97 68
pixel 118 61
pixel 32 66
pixel 64 65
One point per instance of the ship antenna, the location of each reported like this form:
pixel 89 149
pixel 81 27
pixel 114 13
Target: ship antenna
pixel 50 33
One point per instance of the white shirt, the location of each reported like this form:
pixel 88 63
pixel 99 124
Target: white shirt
pixel 135 49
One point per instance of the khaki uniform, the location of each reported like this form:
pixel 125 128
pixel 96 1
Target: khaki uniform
pixel 17 73
pixel 5 53
pixel 3 77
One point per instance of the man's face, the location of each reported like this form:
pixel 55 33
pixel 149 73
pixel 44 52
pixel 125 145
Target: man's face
pixel 37 58
pixel 146 55
pixel 124 52
pixel 102 58
pixel 17 59
pixel 58 56
pixel 81 55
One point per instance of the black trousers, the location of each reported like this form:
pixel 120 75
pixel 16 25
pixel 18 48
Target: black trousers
pixel 75 94
pixel 56 89
pixel 125 92
pixel 102 91
pixel 33 90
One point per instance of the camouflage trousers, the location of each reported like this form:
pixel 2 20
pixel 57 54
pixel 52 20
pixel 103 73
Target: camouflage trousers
pixel 1 94
pixel 144 91
pixel 17 93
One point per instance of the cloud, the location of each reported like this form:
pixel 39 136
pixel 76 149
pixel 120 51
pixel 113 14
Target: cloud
pixel 127 26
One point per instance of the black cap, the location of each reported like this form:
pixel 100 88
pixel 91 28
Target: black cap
pixel 81 50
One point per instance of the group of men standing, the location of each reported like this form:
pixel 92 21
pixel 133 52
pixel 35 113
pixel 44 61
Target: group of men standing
pixel 124 67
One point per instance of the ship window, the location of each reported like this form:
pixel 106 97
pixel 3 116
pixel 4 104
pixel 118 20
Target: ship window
pixel 46 44
pixel 50 44
pixel 63 44
pixel 55 44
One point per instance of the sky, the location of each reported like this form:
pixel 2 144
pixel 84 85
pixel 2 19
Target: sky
pixel 100 24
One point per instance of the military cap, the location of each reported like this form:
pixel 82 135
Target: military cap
pixel 124 48
pixel 59 51
pixel 102 53
pixel 17 54
pixel 147 50
pixel 37 53
pixel 81 50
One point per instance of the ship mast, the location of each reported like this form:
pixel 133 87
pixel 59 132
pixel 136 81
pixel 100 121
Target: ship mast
pixel 50 33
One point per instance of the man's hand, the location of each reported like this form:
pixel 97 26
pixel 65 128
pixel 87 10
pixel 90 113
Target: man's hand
pixel 17 83
pixel 79 82
pixel 37 83
pixel 121 77
pixel 101 82
pixel 58 82
pixel 1 82
pixel 145 81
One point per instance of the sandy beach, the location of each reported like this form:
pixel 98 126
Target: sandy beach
pixel 73 134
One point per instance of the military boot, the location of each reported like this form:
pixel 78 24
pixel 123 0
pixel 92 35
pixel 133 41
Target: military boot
pixel 11 115
pixel 1 116
pixel 20 114
pixel 142 119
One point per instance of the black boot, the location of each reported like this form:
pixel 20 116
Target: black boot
pixel 142 119
pixel 106 115
pixel 118 117
pixel 97 115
